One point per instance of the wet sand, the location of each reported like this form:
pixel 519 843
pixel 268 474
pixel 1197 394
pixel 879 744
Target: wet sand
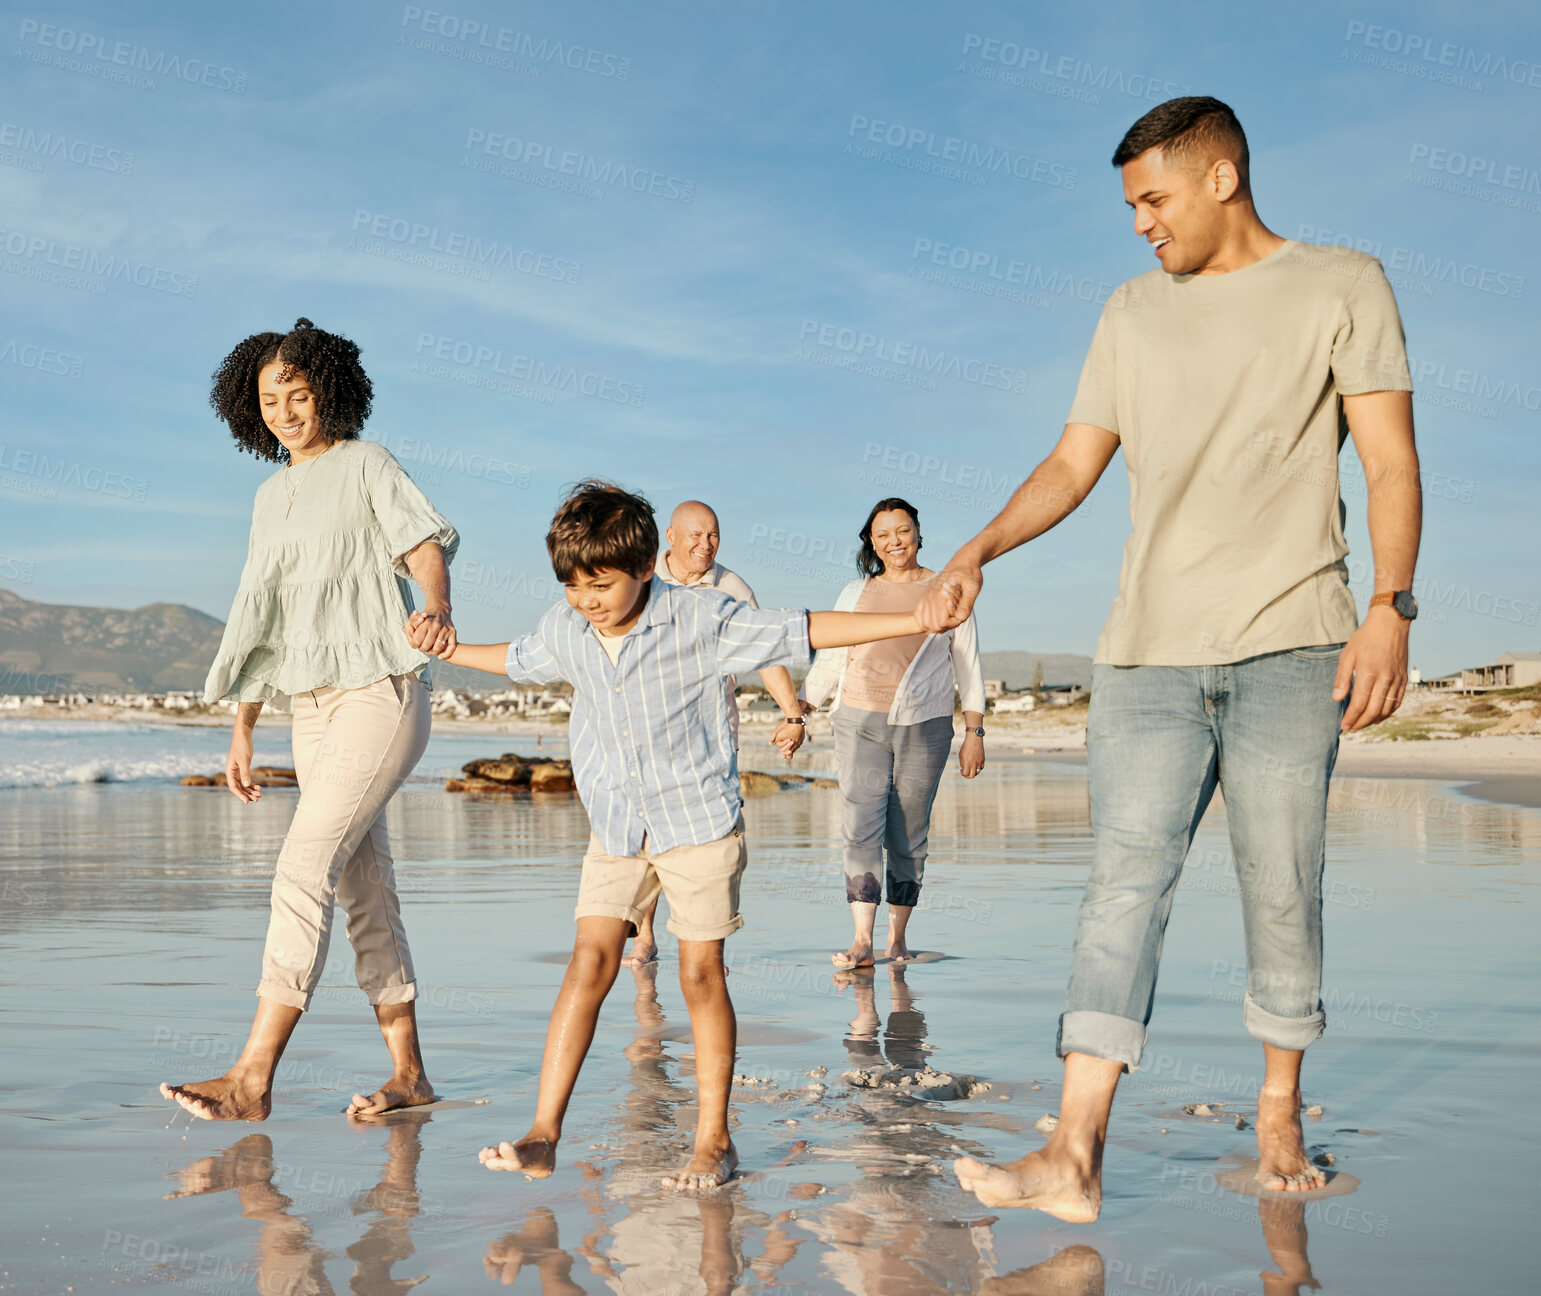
pixel 132 929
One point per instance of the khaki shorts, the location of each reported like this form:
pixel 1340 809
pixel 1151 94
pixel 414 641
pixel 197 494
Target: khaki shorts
pixel 701 883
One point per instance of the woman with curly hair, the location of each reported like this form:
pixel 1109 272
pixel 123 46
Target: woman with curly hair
pixel 316 629
pixel 892 717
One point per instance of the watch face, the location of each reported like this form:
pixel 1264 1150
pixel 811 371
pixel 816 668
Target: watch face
pixel 1405 604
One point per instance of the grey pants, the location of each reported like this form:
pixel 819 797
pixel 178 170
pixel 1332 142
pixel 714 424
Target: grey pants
pixel 888 779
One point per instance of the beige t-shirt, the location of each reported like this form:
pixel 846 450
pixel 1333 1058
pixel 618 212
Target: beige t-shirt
pixel 873 670
pixel 1224 391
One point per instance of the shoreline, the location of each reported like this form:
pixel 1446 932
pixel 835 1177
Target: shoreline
pixel 1501 768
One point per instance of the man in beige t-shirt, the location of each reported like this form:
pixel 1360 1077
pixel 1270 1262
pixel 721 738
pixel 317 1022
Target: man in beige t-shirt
pixel 1229 377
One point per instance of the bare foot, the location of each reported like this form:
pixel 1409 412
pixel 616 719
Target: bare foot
pixel 1283 1165
pixel 228 1097
pixel 1041 1180
pixel 898 951
pixel 858 956
pixel 531 1155
pixel 643 952
pixel 708 1168
pixel 398 1091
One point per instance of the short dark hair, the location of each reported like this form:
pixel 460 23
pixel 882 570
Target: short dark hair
pixel 1194 130
pixel 600 525
pixel 330 363
pixel 867 561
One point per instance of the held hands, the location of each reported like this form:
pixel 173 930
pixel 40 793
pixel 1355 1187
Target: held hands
pixel 432 633
pixel 971 756
pixel 950 599
pixel 1375 658
pixel 789 737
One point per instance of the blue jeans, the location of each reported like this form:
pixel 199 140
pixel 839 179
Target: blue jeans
pixel 1159 740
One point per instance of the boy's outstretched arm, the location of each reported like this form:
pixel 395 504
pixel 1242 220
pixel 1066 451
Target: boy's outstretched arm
pixel 843 629
pixel 492 658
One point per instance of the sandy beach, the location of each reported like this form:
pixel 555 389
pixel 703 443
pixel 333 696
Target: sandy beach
pixel 132 929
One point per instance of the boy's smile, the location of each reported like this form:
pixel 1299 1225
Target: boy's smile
pixel 610 600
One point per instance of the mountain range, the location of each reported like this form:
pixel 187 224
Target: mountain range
pixel 54 647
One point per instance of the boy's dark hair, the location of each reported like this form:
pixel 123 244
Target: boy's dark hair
pixel 330 363
pixel 599 525
pixel 1193 131
pixel 867 561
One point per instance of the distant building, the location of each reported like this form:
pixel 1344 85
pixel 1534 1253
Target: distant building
pixel 1511 670
pixel 994 689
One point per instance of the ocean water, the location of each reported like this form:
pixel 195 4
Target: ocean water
pixel 53 753
pixel 131 935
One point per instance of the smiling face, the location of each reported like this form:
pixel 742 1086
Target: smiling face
pixel 610 600
pixel 291 411
pixel 895 540
pixel 1179 209
pixel 693 540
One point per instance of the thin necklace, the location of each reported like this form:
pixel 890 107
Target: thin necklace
pixel 293 489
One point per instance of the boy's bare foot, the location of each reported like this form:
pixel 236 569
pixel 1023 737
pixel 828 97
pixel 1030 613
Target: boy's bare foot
pixel 643 952
pixel 398 1091
pixel 1044 1180
pixel 1283 1165
pixel 227 1097
pixel 709 1168
pixel 858 956
pixel 531 1155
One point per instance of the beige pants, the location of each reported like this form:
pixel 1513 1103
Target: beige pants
pixel 352 749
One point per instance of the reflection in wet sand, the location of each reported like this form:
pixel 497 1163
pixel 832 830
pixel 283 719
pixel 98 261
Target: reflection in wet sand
pixel 890 1230
pixel 1075 1271
pixel 538 1245
pixel 289 1262
pixel 1284 1234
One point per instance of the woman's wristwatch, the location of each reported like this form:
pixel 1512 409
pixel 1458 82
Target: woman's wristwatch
pixel 977 730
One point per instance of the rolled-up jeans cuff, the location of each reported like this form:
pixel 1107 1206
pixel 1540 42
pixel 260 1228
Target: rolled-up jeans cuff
pixel 402 992
pixel 1293 1033
pixel 1103 1035
pixel 286 995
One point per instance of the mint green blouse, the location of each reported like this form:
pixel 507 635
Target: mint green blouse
pixel 324 594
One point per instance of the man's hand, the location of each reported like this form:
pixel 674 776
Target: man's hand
pixel 971 756
pixel 789 737
pixel 431 631
pixel 950 599
pixel 1375 659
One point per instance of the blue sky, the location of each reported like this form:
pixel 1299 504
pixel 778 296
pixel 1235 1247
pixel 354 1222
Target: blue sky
pixel 414 178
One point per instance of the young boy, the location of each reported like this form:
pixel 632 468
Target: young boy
pixel 655 765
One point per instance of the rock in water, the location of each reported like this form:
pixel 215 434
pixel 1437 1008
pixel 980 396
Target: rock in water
pixel 753 783
pixel 551 778
pixel 925 1084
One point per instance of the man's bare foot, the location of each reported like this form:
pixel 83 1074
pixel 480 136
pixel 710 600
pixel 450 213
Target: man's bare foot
pixel 228 1097
pixel 531 1155
pixel 709 1168
pixel 898 951
pixel 643 952
pixel 858 956
pixel 1283 1165
pixel 1042 1180
pixel 1075 1271
pixel 398 1091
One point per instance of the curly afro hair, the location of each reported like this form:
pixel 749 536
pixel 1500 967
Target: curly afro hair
pixel 330 363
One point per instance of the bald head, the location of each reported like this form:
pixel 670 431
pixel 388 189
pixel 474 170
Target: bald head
pixel 693 539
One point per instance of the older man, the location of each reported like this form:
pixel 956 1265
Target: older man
pixel 691 559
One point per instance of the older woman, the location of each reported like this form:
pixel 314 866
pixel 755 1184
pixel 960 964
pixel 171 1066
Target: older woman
pixel 892 717
pixel 316 629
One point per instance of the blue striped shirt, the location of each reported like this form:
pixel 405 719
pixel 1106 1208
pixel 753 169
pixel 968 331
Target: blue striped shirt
pixel 652 750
